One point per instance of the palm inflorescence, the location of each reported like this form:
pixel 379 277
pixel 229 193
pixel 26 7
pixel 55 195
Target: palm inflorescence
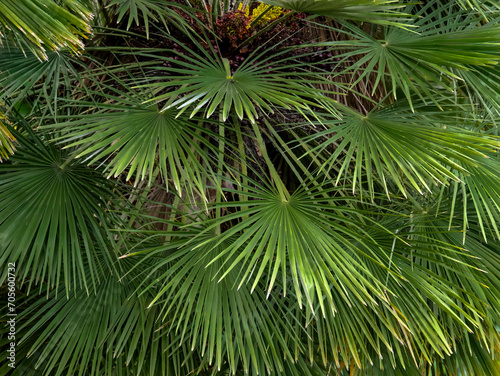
pixel 286 187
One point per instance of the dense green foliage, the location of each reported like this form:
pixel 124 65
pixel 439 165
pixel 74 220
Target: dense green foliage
pixel 286 187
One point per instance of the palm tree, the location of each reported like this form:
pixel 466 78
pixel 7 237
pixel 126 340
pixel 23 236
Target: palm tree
pixel 286 187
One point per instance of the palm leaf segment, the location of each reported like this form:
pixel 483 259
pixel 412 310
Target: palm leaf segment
pixel 62 335
pixel 479 191
pixel 440 254
pixel 152 11
pixel 7 140
pixel 234 324
pixel 300 236
pixel 23 75
pixel 363 314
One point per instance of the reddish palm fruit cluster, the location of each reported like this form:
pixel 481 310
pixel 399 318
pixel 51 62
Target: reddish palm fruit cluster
pixel 232 28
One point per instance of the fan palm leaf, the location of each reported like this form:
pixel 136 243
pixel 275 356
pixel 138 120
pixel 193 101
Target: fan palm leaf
pixel 153 11
pixel 206 81
pixel 479 190
pixel 234 325
pixel 73 336
pixel 24 75
pixel 282 233
pixel 137 138
pixel 483 84
pixel 404 148
pixel 431 52
pixel 60 206
pixel 232 188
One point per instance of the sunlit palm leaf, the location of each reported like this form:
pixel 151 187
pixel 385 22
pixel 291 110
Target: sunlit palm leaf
pixel 234 324
pixel 438 313
pixel 487 8
pixel 6 139
pixel 403 148
pixel 153 11
pixel 480 191
pixel 469 358
pixel 44 25
pixel 207 83
pixel 429 53
pixel 187 278
pixel 484 82
pixel 136 138
pixel 304 235
pixel 410 272
pixel 374 11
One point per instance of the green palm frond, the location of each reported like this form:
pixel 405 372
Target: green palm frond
pixel 72 336
pixel 486 8
pixel 472 276
pixel 432 52
pixel 404 148
pixel 469 359
pixel 196 265
pixel 304 232
pixel 53 221
pixel 378 11
pixel 234 324
pixel 480 191
pixel 483 84
pixel 292 187
pixel 204 80
pixel 44 25
pixel 438 314
pixel 139 138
